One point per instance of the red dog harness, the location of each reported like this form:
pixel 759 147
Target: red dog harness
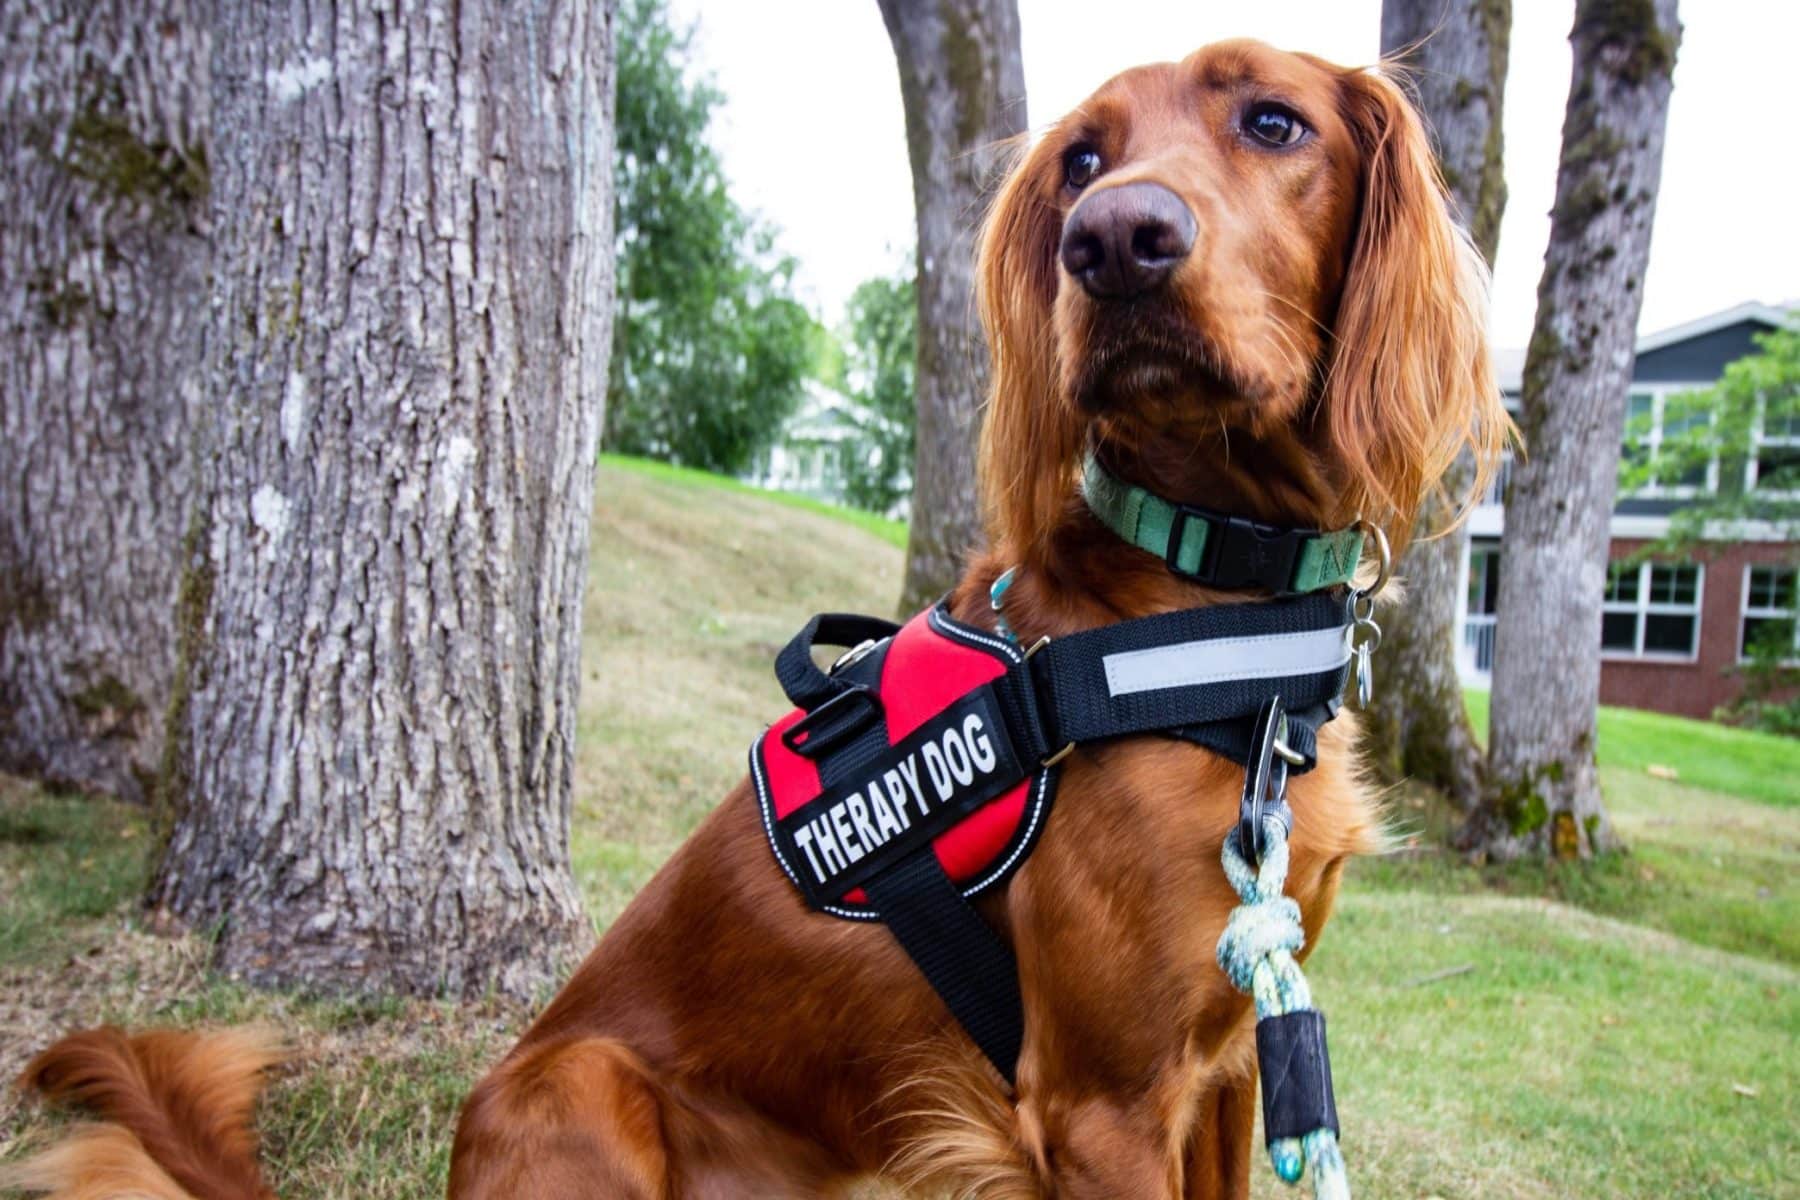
pixel 958 788
pixel 920 769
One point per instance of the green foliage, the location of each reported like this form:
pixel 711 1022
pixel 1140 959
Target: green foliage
pixel 877 369
pixel 1719 429
pixel 1769 701
pixel 1758 392
pixel 709 344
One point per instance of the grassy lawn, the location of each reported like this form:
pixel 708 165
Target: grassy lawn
pixel 888 530
pixel 1622 1029
pixel 1719 758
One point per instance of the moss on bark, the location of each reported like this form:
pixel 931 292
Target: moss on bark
pixel 169 795
pixel 107 698
pixel 1630 25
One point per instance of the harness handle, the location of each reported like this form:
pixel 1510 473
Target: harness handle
pixel 808 686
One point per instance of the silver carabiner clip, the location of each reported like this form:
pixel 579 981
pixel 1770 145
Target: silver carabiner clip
pixel 1365 634
pixel 1265 780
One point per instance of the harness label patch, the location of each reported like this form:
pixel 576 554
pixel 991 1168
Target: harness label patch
pixel 903 797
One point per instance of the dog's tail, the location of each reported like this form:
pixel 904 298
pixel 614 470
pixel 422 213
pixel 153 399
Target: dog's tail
pixel 176 1112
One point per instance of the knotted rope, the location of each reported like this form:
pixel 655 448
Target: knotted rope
pixel 1256 952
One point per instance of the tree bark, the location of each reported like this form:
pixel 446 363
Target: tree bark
pixel 962 80
pixel 103 259
pixel 381 608
pixel 1418 726
pixel 1543 793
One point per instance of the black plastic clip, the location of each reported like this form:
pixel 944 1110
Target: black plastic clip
pixel 833 722
pixel 1265 781
pixel 1238 553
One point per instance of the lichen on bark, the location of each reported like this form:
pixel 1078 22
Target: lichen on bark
pixel 963 88
pixel 1453 58
pixel 368 770
pixel 1544 794
pixel 102 136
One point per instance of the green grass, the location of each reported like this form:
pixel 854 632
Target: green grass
pixel 886 528
pixel 1719 758
pixel 1610 1018
pixel 1576 1056
pixel 1713 869
pixel 62 858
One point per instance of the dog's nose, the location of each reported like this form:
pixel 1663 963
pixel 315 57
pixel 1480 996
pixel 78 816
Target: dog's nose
pixel 1122 241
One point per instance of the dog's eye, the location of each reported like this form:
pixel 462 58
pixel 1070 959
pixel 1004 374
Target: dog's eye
pixel 1273 125
pixel 1080 165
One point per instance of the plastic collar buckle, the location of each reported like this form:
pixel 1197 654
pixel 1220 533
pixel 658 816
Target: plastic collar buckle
pixel 1252 555
pixel 1239 553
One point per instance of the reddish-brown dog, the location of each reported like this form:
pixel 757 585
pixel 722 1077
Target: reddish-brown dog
pixel 1235 278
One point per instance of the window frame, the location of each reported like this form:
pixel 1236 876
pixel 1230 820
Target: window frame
pixel 1642 608
pixel 1752 468
pixel 1660 394
pixel 1745 612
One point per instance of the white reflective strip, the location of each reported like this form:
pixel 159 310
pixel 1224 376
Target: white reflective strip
pixel 1217 660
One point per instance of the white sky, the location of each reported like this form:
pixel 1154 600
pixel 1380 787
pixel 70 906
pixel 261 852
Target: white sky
pixel 813 136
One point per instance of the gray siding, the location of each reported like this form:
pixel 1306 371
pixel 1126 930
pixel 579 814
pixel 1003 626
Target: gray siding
pixel 1698 358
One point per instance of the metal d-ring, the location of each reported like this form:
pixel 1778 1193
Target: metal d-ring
pixel 854 654
pixel 1384 557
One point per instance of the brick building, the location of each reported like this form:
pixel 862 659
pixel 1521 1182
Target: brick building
pixel 1673 632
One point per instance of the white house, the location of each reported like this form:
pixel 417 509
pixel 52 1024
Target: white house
pixel 806 457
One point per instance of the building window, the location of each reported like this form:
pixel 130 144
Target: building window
pixel 1484 580
pixel 1656 415
pixel 1484 596
pixel 1775 450
pixel 1769 595
pixel 1652 610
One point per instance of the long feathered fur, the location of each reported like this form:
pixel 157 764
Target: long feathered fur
pixel 960 1136
pixel 177 1108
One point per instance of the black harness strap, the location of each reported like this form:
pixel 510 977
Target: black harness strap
pixel 800 677
pixel 958 952
pixel 969 966
pixel 1080 704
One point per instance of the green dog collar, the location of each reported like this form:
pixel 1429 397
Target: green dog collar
pixel 1219 550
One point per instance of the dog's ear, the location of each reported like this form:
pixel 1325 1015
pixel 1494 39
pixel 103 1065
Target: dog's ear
pixel 1031 435
pixel 1411 381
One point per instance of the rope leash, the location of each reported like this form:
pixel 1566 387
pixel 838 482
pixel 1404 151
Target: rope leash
pixel 1256 952
pixel 1262 935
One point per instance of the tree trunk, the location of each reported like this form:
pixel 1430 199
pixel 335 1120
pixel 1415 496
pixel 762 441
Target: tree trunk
pixel 1418 727
pixel 102 274
pixel 380 616
pixel 1543 793
pixel 962 80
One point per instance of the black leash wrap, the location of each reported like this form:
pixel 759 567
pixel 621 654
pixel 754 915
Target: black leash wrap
pixel 1297 1096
